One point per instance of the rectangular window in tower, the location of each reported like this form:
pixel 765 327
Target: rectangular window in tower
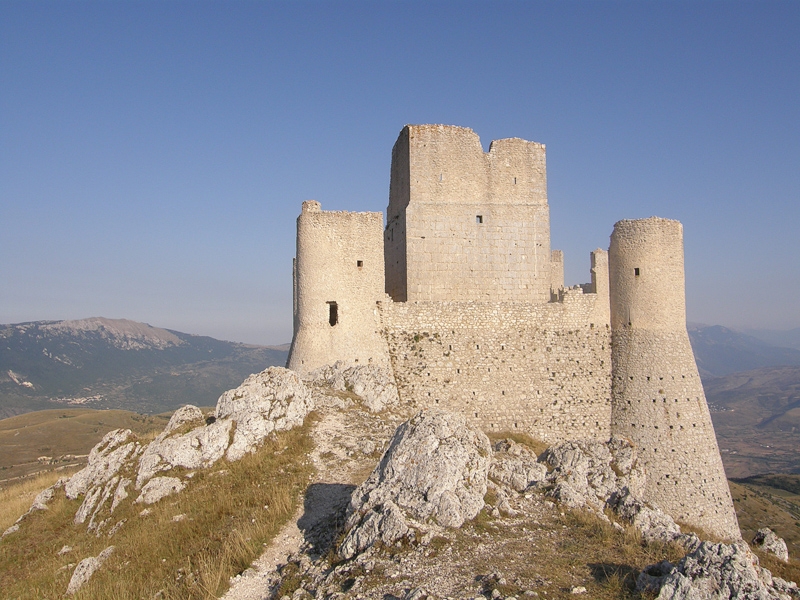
pixel 359 263
pixel 636 271
pixel 479 219
pixel 333 313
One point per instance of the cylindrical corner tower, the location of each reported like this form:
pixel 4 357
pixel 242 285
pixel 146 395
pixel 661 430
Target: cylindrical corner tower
pixel 657 396
pixel 338 280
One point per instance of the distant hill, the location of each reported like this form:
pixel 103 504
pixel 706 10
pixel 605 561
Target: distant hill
pixel 117 363
pixel 721 351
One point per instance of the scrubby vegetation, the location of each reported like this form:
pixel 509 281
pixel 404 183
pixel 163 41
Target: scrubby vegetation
pixel 188 546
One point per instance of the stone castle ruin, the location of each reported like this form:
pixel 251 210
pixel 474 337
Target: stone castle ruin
pixel 461 297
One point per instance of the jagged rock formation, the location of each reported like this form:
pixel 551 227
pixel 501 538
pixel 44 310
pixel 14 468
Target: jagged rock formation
pixel 516 466
pixel 430 483
pixel 434 470
pixel 374 385
pixel 588 473
pixel 715 572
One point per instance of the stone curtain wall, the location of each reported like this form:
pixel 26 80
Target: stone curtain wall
pixel 658 398
pixel 464 224
pixel 339 263
pixel 542 369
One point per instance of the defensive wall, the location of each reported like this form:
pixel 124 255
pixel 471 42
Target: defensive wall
pixel 463 298
pixel 541 369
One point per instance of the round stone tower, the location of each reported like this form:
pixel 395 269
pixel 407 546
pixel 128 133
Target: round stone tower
pixel 338 281
pixel 657 397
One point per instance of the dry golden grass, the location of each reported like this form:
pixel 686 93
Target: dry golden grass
pixel 230 512
pixel 16 498
pixel 60 435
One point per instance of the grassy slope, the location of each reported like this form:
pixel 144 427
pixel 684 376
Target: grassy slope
pixel 230 511
pixel 62 435
pixel 769 501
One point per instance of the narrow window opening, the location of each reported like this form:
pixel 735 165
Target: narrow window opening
pixel 333 313
pixel 636 271
pixel 515 181
pixel 441 176
pixel 479 219
pixel 359 263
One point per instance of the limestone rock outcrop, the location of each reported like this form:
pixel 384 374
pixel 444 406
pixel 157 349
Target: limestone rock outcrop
pixel 200 447
pixel 715 572
pixel 85 569
pixel 274 400
pixel 768 541
pixel 373 384
pixel 592 474
pixel 105 461
pixel 158 488
pixel 516 466
pixel 435 470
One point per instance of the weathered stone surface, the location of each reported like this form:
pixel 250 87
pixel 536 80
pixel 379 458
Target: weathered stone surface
pixel 434 469
pixel 85 569
pixel 768 541
pixel 158 488
pixel 516 466
pixel 654 524
pixel 589 473
pixel 105 461
pixel 374 385
pixel 713 572
pixel 199 448
pixel 120 494
pixel 273 400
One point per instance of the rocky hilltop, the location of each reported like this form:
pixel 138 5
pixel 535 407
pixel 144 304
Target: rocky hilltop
pixel 406 504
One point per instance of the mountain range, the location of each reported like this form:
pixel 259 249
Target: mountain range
pixel 117 363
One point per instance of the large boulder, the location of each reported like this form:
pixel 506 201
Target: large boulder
pixel 715 572
pixel 766 540
pixel 274 400
pixel 374 385
pixel 435 470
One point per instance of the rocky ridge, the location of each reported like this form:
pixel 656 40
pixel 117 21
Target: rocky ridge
pixel 444 514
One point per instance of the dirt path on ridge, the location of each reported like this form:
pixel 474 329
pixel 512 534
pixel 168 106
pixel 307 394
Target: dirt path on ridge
pixel 349 440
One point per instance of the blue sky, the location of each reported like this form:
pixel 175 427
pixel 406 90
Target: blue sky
pixel 154 155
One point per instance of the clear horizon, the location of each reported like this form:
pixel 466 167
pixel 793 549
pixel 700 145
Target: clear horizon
pixel 154 155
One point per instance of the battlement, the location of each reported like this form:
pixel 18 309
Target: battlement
pixel 447 164
pixel 464 224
